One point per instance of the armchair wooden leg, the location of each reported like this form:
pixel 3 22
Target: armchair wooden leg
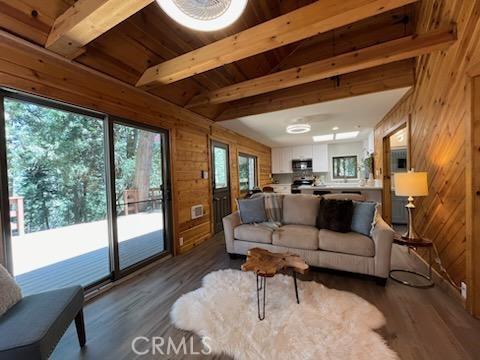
pixel 80 325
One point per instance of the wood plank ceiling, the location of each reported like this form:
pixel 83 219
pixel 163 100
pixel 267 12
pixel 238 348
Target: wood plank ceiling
pixel 149 37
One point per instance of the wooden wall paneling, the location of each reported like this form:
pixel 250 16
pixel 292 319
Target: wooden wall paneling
pixel 192 156
pixel 473 193
pixel 439 109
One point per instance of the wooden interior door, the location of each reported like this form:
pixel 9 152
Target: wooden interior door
pixel 220 184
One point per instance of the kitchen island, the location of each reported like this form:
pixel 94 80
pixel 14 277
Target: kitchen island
pixel 372 193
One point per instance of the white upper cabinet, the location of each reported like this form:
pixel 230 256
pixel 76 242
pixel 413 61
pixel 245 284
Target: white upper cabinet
pixel 276 161
pixel 286 160
pixel 282 157
pixel 302 152
pixel 282 160
pixel 320 158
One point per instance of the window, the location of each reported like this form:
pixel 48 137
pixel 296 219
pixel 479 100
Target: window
pixel 247 170
pixel 345 167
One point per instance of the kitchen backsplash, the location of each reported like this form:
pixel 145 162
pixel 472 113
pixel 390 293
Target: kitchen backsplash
pixel 288 178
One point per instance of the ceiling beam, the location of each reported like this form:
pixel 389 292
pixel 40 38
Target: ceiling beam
pixel 388 52
pixel 381 78
pixel 86 20
pixel 310 20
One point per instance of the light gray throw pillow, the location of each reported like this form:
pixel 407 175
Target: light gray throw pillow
pixel 363 218
pixel 252 210
pixel 10 292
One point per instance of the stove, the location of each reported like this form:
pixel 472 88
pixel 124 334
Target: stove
pixel 297 183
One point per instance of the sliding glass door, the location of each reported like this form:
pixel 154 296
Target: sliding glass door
pixel 139 193
pixel 57 198
pixel 84 199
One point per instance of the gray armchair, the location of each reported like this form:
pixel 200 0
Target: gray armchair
pixel 32 328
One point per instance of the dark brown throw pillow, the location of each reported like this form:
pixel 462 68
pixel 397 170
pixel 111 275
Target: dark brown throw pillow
pixel 335 215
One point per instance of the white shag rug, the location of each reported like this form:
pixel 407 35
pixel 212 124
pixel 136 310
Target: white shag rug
pixel 327 324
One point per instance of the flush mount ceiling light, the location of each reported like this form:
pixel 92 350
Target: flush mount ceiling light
pixel 335 128
pixel 298 128
pixel 346 135
pixel 319 138
pixel 204 15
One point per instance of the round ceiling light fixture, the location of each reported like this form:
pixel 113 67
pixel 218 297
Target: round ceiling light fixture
pixel 204 15
pixel 298 128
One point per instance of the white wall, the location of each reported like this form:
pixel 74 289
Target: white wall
pixel 344 149
pixel 369 143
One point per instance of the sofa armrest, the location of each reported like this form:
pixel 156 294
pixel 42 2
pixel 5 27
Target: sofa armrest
pixel 230 222
pixel 382 236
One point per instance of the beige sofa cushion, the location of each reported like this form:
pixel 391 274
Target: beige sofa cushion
pixel 296 236
pixel 300 209
pixel 347 243
pixel 253 233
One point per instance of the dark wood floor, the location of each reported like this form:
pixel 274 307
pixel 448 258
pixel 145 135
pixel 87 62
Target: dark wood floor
pixel 421 324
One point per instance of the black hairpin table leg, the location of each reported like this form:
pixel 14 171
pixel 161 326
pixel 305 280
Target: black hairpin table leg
pixel 296 288
pixel 261 285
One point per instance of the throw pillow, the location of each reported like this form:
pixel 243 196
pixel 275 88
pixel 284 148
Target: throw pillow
pixel 335 215
pixel 252 210
pixel 10 293
pixel 363 218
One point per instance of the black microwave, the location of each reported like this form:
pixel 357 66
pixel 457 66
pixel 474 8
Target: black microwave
pixel 302 165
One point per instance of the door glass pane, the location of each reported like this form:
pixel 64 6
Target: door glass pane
pixel 139 193
pixel 220 167
pixel 246 169
pixel 57 196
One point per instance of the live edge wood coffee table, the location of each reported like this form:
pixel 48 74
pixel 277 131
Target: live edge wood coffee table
pixel 266 264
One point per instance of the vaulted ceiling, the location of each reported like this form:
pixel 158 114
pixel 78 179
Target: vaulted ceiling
pixel 135 36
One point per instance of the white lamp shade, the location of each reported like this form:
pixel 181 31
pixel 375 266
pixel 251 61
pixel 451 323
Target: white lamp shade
pixel 411 184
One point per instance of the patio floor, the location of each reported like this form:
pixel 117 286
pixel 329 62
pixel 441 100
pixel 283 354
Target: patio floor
pixel 79 254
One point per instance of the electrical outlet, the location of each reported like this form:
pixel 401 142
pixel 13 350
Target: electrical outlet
pixel 463 287
pixel 181 241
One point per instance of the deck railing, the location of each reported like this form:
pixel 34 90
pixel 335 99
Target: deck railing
pixel 17 215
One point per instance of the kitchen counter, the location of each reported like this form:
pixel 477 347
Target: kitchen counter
pixel 340 187
pixel 371 193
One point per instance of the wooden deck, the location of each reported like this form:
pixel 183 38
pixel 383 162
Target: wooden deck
pixel 90 267
pixel 421 324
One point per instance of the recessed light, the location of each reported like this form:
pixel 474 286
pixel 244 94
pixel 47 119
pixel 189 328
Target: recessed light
pixel 346 135
pixel 298 128
pixel 335 128
pixel 319 138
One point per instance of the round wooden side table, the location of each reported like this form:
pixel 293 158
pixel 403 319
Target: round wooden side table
pixel 421 243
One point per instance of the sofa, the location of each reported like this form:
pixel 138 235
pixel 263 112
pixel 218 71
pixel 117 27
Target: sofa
pixel 298 234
